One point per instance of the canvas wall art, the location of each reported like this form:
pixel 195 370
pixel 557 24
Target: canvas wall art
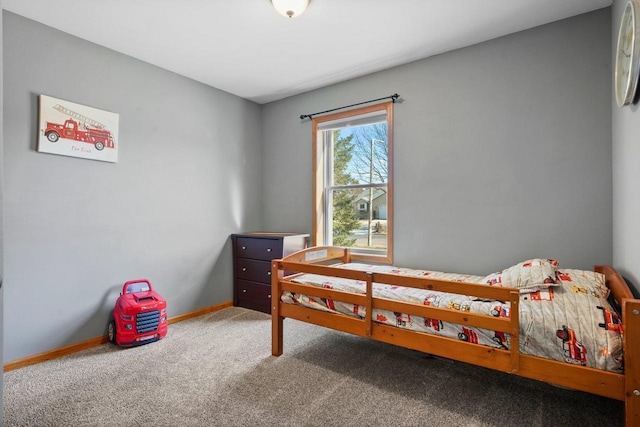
pixel 76 130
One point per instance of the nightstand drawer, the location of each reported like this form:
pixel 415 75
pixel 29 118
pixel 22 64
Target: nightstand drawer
pixel 252 295
pixel 253 270
pixel 264 249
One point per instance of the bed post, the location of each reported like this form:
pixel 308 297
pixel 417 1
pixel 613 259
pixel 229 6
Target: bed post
pixel 346 258
pixel 368 318
pixel 515 331
pixel 276 319
pixel 631 322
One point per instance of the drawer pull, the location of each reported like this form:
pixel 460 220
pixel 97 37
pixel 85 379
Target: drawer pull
pixel 244 247
pixel 244 268
pixel 268 249
pixel 268 273
pixel 244 291
pixel 269 296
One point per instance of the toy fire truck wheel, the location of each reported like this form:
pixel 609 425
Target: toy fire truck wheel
pixel 52 136
pixel 99 146
pixel 562 334
pixel 111 331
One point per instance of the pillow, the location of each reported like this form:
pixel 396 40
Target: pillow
pixel 527 276
pixel 583 281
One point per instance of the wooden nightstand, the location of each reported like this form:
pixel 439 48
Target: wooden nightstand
pixel 252 255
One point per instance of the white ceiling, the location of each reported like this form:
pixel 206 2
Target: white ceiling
pixel 244 47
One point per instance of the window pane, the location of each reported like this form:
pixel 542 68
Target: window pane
pixel 361 154
pixel 359 218
pixel 342 158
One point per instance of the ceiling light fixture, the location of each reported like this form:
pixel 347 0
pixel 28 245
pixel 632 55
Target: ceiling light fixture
pixel 290 8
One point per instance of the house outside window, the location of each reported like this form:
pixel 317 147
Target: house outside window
pixel 353 181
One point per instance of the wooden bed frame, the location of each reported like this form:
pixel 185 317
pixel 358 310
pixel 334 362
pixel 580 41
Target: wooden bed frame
pixel 318 260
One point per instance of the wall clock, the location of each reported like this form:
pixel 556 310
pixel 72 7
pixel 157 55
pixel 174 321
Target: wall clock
pixel 627 54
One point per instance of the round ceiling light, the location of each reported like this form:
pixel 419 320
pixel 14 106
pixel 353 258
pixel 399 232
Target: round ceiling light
pixel 290 8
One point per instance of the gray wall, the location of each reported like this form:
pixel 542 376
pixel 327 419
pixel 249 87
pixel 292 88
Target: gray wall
pixel 626 176
pixel 76 229
pixel 502 150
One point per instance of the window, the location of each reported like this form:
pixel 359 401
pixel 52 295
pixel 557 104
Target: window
pixel 352 185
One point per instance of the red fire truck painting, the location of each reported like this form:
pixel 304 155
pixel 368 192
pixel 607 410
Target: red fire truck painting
pixel 468 335
pixel 70 130
pixel 574 351
pixel 82 129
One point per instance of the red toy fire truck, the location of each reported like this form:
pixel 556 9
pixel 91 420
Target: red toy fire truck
pixel 139 316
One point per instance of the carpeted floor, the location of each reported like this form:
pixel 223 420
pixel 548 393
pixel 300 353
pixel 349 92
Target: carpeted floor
pixel 217 370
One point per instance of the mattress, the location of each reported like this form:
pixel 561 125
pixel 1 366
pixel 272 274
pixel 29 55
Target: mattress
pixel 568 320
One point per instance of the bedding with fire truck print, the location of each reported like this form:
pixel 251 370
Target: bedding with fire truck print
pixel 570 321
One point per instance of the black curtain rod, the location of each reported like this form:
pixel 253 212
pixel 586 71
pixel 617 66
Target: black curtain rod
pixel 392 97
